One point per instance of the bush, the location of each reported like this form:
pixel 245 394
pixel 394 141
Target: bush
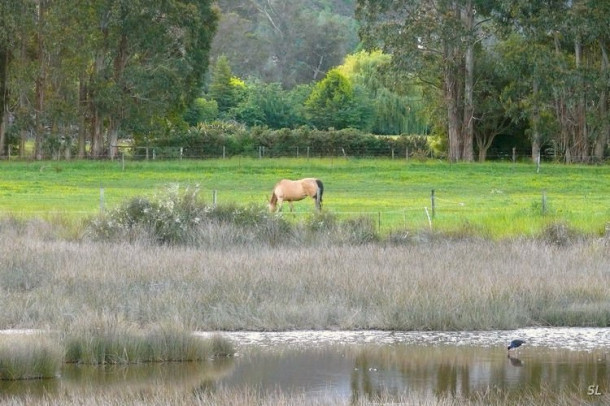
pixel 172 218
pixel 177 217
pixel 560 234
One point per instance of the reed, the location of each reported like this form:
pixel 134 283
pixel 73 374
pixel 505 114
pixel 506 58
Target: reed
pixel 254 397
pixel 440 284
pixel 33 356
pixel 111 341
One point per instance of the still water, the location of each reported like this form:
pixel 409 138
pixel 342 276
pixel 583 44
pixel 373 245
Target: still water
pixel 368 364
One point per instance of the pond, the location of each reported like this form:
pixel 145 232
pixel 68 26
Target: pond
pixel 367 365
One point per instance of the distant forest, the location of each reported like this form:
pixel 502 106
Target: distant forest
pixel 287 42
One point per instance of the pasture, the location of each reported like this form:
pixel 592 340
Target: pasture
pixel 493 200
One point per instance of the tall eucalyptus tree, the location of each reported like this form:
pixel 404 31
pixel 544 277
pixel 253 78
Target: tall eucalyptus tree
pixel 433 40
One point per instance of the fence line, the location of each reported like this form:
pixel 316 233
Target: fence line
pixel 143 153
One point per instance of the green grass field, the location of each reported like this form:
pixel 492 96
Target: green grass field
pixel 492 199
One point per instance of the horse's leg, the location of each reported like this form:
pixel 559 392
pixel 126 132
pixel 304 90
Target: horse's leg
pixel 291 206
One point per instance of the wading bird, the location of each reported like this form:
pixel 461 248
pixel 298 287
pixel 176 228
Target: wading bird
pixel 515 344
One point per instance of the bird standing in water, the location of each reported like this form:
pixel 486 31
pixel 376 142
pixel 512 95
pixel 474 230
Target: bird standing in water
pixel 515 344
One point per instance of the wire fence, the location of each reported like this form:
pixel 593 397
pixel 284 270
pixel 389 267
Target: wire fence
pixel 410 211
pixel 151 153
pixel 307 152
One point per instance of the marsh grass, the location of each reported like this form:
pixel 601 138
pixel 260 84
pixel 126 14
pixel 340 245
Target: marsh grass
pixel 114 342
pixel 34 356
pixel 42 355
pixel 419 282
pixel 254 397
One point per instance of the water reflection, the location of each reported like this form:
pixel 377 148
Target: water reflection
pixel 82 379
pixel 443 371
pixel 396 371
pixel 359 370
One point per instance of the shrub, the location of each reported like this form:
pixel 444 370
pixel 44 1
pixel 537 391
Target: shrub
pixel 360 230
pixel 560 234
pixel 171 218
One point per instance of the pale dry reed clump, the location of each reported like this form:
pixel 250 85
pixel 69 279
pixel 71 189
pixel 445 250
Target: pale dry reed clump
pixel 439 285
pixel 32 356
pixel 112 341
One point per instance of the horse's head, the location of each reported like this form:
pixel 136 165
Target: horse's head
pixel 272 202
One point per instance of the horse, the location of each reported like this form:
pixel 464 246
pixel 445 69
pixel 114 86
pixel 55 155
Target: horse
pixel 295 190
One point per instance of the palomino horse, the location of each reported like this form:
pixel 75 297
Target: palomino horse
pixel 295 190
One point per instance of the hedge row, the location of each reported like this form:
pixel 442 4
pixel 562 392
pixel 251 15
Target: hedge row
pixel 228 139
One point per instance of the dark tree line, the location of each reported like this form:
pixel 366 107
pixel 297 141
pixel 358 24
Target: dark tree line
pixel 501 64
pixel 77 77
pixel 92 71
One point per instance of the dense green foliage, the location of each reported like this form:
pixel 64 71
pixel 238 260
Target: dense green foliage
pixel 218 139
pixel 551 75
pixel 82 76
pixel 482 77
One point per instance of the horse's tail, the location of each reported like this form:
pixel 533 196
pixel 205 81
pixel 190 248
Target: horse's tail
pixel 319 194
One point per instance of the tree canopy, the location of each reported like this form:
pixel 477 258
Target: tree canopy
pixel 101 67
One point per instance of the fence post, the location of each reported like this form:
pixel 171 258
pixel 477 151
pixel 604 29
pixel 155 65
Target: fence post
pixel 214 197
pixel 181 152
pixel 101 199
pixel 538 163
pixel 407 153
pixel 122 160
pixel 224 152
pixel 433 203
pixel 307 152
pixel 392 154
pixel 543 202
pixel 514 154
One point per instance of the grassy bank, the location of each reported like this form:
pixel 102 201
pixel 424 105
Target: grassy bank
pixel 50 282
pixel 252 397
pixel 494 200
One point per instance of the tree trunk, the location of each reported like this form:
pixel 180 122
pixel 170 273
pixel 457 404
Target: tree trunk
pixel 113 138
pixel 95 117
pixel 581 139
pixel 82 110
pixel 468 123
pixel 535 124
pixel 604 133
pixel 40 85
pixel 96 133
pixel 4 53
pixel 450 94
pixel 453 120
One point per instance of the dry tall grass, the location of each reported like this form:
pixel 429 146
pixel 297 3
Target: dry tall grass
pixel 48 282
pixel 252 397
